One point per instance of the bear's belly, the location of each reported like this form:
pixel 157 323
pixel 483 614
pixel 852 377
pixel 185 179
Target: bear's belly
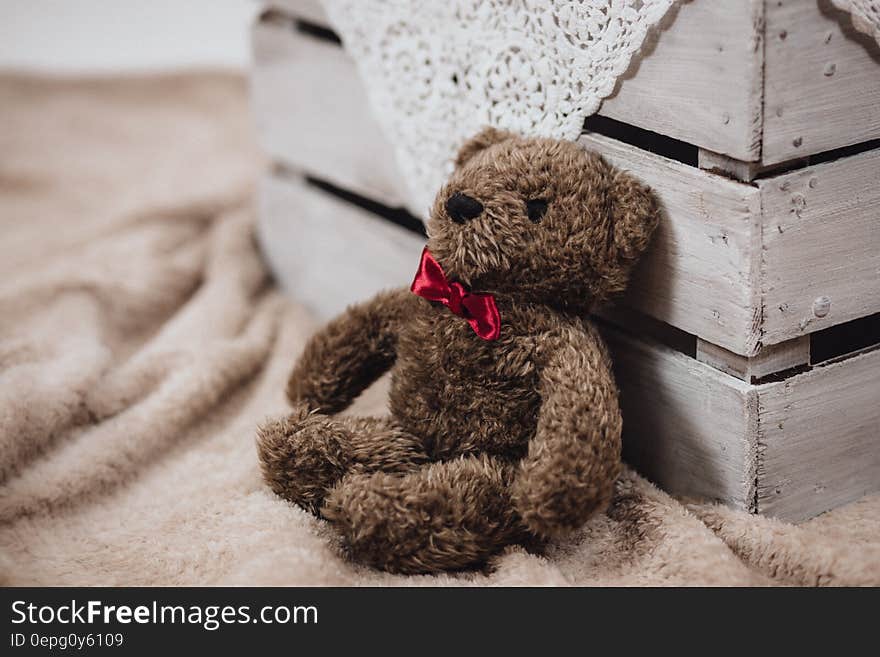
pixel 462 394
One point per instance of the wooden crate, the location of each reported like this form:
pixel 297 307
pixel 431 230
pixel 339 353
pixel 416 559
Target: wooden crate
pixel 790 448
pixel 745 348
pixel 327 252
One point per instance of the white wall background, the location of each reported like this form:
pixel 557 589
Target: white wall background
pixel 108 36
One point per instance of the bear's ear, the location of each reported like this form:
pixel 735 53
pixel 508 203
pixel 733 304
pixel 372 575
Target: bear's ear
pixel 483 139
pixel 635 214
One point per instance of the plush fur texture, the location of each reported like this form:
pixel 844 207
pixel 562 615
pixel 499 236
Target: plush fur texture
pixel 489 442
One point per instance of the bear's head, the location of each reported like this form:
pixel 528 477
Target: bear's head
pixel 540 220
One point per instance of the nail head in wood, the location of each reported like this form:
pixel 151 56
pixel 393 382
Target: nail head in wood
pixel 821 306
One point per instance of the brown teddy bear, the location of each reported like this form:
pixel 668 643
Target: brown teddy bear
pixel 504 424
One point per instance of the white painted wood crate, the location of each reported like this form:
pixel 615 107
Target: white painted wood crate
pixel 746 346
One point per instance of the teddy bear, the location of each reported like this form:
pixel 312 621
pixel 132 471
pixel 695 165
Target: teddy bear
pixel 504 424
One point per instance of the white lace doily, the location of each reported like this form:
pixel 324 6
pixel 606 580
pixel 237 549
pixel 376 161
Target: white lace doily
pixel 865 15
pixel 437 71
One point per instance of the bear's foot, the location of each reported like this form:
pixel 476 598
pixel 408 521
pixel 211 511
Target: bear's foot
pixel 303 455
pixel 444 516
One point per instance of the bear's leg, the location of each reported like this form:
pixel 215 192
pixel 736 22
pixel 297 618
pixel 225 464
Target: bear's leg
pixel 443 516
pixel 305 454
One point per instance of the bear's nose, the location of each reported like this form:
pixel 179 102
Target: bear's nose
pixel 463 208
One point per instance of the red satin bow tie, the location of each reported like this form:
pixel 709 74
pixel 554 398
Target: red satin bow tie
pixel 478 309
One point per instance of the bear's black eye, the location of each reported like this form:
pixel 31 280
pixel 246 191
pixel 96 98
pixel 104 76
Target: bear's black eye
pixel 536 208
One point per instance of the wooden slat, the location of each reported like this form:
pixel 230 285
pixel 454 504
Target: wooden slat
pixel 770 360
pixel 310 108
pixel 686 425
pixel 820 438
pixel 821 239
pixel 327 253
pixel 699 78
pixel 700 273
pixel 728 166
pixel 822 81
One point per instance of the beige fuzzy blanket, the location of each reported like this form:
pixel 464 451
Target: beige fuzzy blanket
pixel 141 341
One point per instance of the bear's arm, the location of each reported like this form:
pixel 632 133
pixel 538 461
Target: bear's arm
pixel 574 457
pixel 350 352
